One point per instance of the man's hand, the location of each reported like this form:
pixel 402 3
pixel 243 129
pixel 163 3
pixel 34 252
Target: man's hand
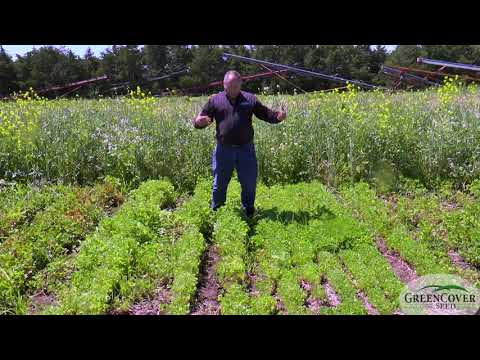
pixel 282 114
pixel 203 120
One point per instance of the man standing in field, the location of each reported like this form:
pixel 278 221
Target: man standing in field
pixel 232 109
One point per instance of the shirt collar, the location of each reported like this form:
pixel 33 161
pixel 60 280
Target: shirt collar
pixel 239 97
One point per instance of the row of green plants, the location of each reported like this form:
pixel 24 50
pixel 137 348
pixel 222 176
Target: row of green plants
pixel 19 204
pixel 197 217
pixel 463 227
pixel 446 221
pixel 373 275
pixel 43 229
pixel 230 234
pixel 126 257
pixel 424 255
pixel 231 237
pixel 330 267
pixel 310 236
pixel 423 226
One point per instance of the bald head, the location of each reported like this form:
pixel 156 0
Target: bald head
pixel 231 75
pixel 232 83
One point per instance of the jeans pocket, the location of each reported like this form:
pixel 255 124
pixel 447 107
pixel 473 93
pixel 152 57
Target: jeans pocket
pixel 250 147
pixel 253 150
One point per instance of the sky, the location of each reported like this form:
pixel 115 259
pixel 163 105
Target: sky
pixel 80 50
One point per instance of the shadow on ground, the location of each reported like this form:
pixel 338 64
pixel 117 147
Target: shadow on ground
pixel 287 217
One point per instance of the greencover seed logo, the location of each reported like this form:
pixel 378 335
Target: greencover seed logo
pixel 440 294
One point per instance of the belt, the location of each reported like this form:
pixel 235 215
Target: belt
pixel 234 145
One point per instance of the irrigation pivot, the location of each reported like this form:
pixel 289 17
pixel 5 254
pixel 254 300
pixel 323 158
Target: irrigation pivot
pixel 72 86
pixel 303 72
pixel 433 74
pixel 475 68
pixel 122 85
pixel 244 78
pixel 184 71
pixel 405 76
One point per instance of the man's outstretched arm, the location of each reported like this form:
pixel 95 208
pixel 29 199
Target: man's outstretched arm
pixel 264 113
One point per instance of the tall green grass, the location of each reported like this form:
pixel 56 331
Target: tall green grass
pixel 431 136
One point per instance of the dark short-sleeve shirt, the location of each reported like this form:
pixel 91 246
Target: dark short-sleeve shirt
pixel 233 119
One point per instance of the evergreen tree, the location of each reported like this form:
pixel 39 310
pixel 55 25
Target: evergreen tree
pixel 406 55
pixel 8 76
pixel 123 64
pixel 91 64
pixel 207 65
pixel 48 66
pixel 155 58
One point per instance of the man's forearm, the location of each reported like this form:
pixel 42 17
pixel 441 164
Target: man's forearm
pixel 264 113
pixel 270 116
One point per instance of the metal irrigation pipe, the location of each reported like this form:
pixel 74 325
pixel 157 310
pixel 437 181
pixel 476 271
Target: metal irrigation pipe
pixel 300 71
pixel 392 71
pixel 281 77
pixel 421 60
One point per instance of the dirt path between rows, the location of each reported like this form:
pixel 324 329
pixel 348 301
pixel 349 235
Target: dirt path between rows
pixel 404 271
pixel 312 303
pixel 206 301
pixel 333 298
pixel 206 297
pixel 281 308
pixel 459 261
pixel 40 301
pixel 152 306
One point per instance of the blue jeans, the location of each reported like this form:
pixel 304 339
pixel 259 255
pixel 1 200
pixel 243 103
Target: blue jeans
pixel 224 159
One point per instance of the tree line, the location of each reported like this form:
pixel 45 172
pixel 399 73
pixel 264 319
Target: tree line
pixel 49 66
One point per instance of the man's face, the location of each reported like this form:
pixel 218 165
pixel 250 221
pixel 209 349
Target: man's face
pixel 232 86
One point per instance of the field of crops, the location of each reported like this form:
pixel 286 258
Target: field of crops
pixel 308 250
pixel 105 205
